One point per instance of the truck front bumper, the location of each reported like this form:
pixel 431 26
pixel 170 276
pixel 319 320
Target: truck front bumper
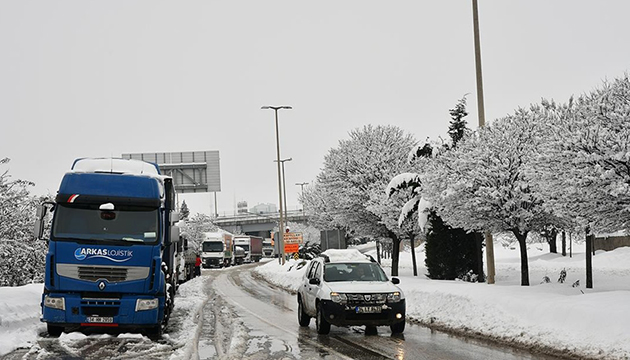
pixel 102 312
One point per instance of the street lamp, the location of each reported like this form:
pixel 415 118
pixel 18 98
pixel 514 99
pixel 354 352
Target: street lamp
pixel 281 225
pixel 301 185
pixel 284 189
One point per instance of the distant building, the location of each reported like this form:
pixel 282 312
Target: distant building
pixel 265 209
pixel 241 207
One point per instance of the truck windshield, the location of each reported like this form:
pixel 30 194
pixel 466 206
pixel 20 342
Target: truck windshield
pixel 214 246
pixel 244 246
pixel 87 222
pixel 354 272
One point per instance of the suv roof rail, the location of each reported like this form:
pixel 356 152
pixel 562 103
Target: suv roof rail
pixel 370 257
pixel 325 257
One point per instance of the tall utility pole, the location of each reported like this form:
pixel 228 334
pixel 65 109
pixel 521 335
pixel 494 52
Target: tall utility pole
pixel 281 225
pixel 482 123
pixel 301 185
pixel 284 189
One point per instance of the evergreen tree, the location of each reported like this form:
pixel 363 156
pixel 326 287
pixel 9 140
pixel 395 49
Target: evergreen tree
pixel 457 128
pixel 183 211
pixel 450 253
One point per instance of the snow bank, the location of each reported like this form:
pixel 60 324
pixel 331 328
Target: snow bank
pixel 570 320
pixel 19 316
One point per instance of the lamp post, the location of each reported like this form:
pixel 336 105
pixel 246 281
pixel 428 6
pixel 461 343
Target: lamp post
pixel 301 185
pixel 482 123
pixel 284 189
pixel 281 225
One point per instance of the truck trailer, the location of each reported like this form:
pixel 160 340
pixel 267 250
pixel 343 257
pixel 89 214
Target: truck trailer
pixel 110 261
pixel 253 246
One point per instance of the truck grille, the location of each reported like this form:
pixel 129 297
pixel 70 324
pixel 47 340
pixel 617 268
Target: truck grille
pixel 112 274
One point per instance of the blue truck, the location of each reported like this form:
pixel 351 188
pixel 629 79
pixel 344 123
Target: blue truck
pixel 111 250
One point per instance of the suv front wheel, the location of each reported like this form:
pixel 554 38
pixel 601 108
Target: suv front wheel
pixel 398 328
pixel 323 326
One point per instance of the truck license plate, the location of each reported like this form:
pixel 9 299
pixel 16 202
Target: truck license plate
pixel 100 319
pixel 367 309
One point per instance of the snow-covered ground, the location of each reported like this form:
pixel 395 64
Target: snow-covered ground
pixel 573 321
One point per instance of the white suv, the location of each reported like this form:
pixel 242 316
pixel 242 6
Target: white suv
pixel 345 287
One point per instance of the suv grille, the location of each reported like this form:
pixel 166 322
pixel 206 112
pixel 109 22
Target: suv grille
pixel 366 298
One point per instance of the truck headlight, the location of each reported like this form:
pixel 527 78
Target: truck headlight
pixel 55 302
pixel 393 297
pixel 146 304
pixel 338 298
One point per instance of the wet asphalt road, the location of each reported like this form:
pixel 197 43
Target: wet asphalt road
pixel 245 317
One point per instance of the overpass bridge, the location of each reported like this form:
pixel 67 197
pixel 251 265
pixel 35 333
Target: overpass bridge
pixel 257 224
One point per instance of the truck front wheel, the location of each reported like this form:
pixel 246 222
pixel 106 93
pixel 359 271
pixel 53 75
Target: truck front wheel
pixel 53 330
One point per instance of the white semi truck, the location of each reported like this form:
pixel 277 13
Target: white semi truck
pixel 217 249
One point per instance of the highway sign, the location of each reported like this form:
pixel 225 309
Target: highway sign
pixel 293 238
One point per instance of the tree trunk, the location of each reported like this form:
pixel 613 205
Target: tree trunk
pixel 413 253
pixel 479 248
pixel 522 242
pixel 589 258
pixel 395 253
pixel 564 243
pixel 553 248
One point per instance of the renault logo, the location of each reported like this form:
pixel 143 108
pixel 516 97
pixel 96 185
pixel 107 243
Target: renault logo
pixel 101 285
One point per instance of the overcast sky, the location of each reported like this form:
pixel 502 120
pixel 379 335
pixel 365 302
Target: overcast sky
pixel 102 78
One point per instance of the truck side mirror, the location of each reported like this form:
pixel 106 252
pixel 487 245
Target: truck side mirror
pixel 174 217
pixel 40 216
pixel 174 236
pixel 38 230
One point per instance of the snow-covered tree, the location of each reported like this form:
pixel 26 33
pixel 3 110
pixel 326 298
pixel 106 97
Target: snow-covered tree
pixel 348 193
pixel 585 167
pixel 22 257
pixel 482 184
pixel 194 227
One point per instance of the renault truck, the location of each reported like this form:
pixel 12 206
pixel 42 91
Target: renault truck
pixel 217 249
pixel 110 261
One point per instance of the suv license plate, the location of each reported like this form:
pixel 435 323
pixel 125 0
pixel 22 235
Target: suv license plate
pixel 367 309
pixel 100 319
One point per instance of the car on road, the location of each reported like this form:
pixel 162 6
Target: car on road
pixel 346 287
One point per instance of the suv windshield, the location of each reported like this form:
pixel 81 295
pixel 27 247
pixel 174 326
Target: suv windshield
pixel 353 272
pixel 87 222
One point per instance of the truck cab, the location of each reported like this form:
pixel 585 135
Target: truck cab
pixel 216 249
pixel 111 248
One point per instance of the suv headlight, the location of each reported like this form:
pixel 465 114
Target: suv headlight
pixel 146 304
pixel 338 298
pixel 394 297
pixel 55 302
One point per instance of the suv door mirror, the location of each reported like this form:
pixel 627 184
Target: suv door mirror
pixel 395 281
pixel 314 281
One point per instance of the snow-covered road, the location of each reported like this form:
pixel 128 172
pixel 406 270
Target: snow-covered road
pixel 233 314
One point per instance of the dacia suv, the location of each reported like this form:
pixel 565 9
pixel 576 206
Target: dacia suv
pixel 345 287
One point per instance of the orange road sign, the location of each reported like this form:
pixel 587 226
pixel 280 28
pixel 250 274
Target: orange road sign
pixel 291 248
